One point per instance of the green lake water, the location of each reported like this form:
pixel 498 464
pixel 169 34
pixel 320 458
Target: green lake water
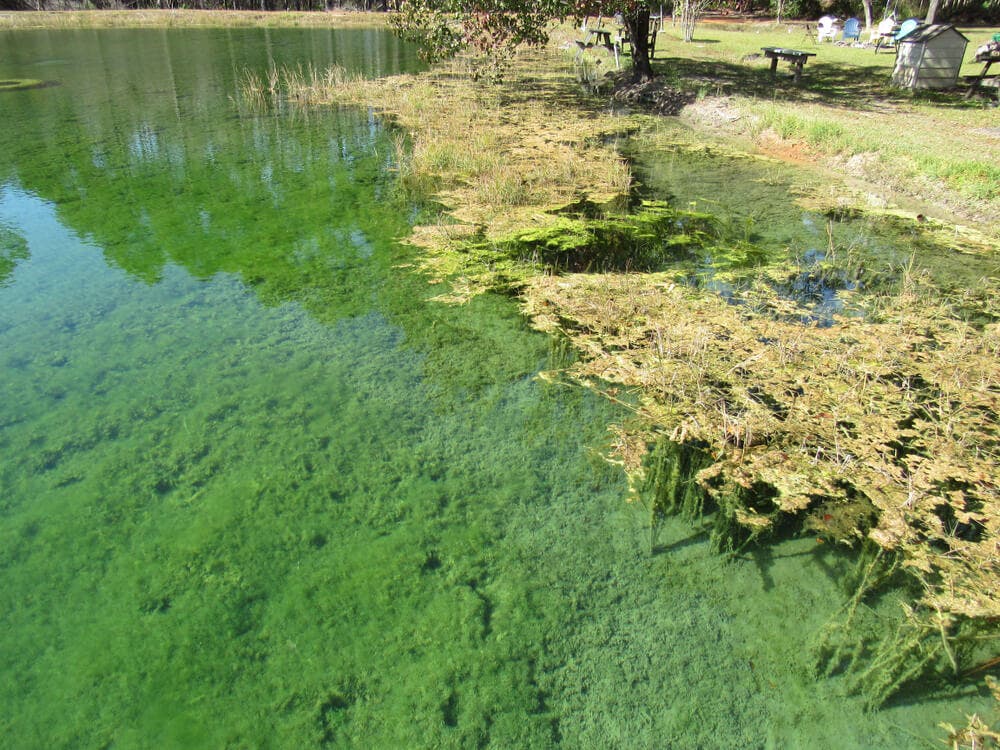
pixel 257 491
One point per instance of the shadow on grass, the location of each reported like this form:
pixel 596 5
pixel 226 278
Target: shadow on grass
pixel 539 83
pixel 858 87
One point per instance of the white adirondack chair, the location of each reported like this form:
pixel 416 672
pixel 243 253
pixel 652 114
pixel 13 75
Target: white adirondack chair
pixel 828 27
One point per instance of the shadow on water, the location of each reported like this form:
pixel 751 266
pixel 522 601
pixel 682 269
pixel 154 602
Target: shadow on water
pixel 699 536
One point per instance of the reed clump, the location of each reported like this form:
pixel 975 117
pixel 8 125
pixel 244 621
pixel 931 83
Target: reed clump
pixel 301 86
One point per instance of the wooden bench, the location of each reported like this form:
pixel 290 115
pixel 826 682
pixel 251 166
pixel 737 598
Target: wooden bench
pixel 796 57
pixel 977 81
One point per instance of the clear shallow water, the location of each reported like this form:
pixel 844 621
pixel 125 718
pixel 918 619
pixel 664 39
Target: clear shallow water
pixel 758 209
pixel 256 491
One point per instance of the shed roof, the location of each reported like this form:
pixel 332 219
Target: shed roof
pixel 926 33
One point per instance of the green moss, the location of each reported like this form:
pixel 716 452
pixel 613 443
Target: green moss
pixel 652 237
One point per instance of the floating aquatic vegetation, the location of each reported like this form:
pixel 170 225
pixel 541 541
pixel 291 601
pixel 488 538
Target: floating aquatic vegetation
pixel 884 430
pixel 23 84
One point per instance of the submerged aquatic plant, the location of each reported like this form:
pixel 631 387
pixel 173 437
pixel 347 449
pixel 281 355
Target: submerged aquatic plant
pixel 889 425
pixel 22 84
pixel 976 734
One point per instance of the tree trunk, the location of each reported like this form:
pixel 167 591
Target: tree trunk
pixel 931 12
pixel 690 9
pixel 868 15
pixel 637 24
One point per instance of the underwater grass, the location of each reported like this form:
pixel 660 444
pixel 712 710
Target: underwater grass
pixel 482 184
pixel 868 418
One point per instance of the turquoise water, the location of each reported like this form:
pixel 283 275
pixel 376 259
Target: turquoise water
pixel 258 492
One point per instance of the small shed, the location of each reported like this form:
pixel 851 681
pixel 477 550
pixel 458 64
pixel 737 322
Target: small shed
pixel 929 57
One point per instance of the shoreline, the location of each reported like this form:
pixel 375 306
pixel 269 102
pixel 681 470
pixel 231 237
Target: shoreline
pixel 187 18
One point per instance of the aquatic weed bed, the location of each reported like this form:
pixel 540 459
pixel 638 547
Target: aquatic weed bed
pixel 299 505
pixel 875 430
pixel 806 370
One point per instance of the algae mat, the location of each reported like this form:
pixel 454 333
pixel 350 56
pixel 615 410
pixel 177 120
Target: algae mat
pixel 257 491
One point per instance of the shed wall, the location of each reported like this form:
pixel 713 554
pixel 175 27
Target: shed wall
pixel 932 64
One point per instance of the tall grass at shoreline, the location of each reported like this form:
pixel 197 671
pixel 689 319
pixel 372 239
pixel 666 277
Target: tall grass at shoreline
pixel 968 174
pixel 496 157
pixel 303 85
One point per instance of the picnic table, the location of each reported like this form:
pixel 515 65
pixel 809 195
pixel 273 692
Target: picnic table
pixel 599 36
pixel 797 58
pixel 988 56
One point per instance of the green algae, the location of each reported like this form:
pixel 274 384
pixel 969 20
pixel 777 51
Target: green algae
pixel 22 84
pixel 648 237
pixel 258 491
